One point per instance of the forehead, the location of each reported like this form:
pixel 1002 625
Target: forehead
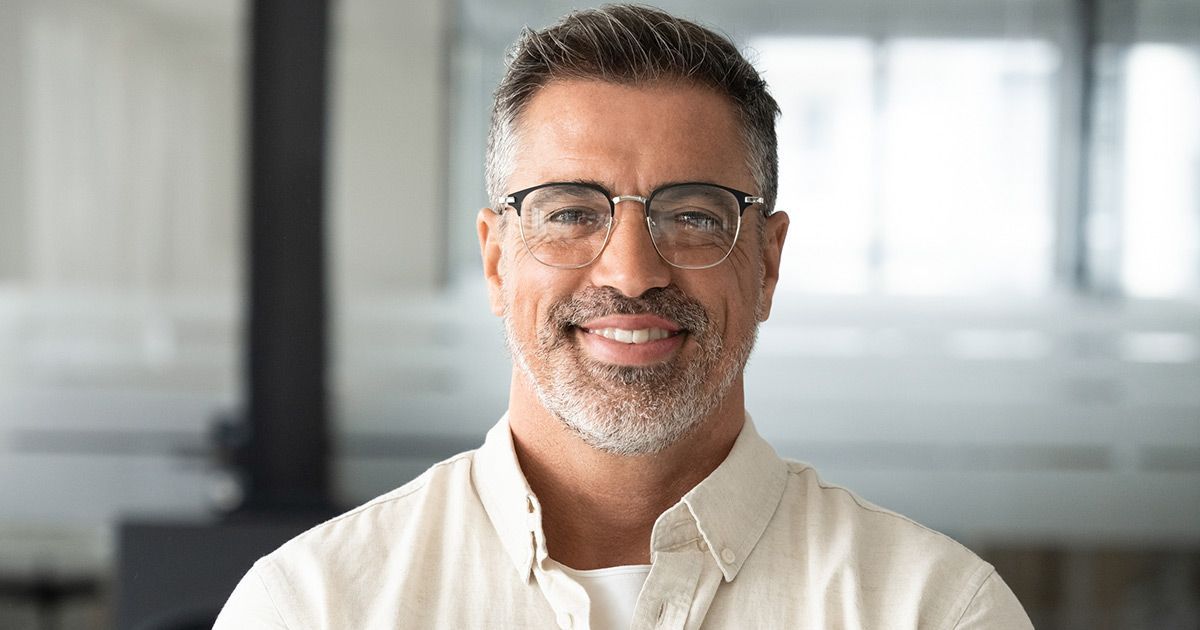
pixel 629 135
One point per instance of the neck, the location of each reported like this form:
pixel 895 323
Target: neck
pixel 598 509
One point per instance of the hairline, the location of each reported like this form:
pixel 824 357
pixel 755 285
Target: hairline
pixel 510 129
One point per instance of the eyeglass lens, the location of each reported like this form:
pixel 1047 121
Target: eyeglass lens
pixel 691 225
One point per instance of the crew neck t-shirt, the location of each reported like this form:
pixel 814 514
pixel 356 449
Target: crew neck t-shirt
pixel 612 593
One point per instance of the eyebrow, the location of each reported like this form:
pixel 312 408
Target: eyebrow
pixel 608 187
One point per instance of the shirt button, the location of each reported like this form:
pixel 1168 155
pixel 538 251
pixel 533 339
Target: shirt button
pixel 565 621
pixel 728 556
pixel 702 545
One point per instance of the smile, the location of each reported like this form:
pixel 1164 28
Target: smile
pixel 631 340
pixel 638 336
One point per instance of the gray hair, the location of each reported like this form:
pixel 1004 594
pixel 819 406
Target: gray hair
pixel 633 44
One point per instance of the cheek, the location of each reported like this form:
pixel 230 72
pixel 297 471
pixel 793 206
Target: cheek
pixel 514 270
pixel 745 281
pixel 531 288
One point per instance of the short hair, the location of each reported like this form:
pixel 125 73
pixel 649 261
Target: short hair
pixel 633 45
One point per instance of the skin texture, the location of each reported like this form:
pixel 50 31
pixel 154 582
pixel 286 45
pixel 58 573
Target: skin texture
pixel 599 507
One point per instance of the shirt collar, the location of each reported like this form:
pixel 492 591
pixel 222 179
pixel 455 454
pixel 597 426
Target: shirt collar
pixel 730 508
pixel 734 504
pixel 508 499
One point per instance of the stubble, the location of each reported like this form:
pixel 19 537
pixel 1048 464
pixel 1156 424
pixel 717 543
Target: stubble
pixel 630 410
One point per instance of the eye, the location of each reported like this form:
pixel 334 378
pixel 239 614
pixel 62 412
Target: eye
pixel 572 216
pixel 697 219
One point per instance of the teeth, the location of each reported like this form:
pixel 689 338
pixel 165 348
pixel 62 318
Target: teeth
pixel 642 335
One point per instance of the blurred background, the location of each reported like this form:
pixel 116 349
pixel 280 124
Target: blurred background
pixel 989 317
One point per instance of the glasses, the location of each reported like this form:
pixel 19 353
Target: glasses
pixel 567 225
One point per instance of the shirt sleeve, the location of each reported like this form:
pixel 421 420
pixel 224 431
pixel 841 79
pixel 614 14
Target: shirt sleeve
pixel 250 606
pixel 994 607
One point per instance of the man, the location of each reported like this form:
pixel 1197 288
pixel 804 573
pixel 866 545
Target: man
pixel 631 252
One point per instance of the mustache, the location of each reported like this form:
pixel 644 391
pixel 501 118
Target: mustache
pixel 669 302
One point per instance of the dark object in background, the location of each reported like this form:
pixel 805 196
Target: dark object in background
pixel 49 592
pixel 287 454
pixel 173 576
pixel 176 576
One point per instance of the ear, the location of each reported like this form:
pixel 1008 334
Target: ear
pixel 491 238
pixel 775 229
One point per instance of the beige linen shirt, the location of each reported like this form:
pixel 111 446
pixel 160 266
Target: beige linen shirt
pixel 761 543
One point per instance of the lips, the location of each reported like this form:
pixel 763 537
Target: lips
pixel 623 335
pixel 615 329
pixel 632 329
pixel 632 340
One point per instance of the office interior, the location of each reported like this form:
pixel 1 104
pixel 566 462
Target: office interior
pixel 988 317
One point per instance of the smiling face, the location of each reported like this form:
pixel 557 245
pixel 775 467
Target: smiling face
pixel 629 352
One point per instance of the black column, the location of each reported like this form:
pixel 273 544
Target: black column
pixel 287 455
pixel 1088 20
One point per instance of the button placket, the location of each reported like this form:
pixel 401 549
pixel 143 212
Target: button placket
pixel 566 597
pixel 670 589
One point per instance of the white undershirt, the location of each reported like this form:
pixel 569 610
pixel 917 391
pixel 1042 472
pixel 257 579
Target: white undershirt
pixel 613 593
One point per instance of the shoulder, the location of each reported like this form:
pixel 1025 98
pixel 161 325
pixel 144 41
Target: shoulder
pixel 441 489
pixel 336 574
pixel 841 514
pixel 903 565
pixel 338 571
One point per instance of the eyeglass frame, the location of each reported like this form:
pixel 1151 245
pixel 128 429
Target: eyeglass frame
pixel 514 199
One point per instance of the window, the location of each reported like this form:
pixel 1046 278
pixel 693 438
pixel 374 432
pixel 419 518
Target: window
pixel 916 166
pixel 1160 169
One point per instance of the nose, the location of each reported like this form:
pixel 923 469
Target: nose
pixel 629 263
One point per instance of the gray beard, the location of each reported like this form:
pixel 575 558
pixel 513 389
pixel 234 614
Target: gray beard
pixel 629 410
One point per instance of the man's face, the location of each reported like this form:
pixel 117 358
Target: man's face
pixel 630 352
